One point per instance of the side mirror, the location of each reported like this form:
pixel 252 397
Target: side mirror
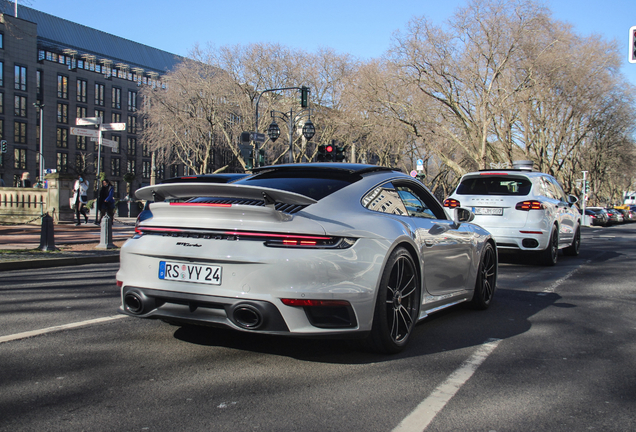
pixel 572 199
pixel 462 215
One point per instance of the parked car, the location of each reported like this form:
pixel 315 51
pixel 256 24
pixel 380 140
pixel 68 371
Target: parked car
pixel 615 216
pixel 628 214
pixel 598 217
pixel 524 210
pixel 315 250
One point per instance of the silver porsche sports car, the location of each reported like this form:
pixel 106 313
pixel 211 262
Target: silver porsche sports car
pixel 317 249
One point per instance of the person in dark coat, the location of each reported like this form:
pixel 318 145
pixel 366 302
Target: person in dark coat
pixel 106 201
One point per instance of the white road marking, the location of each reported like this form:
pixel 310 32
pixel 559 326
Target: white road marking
pixel 32 333
pixel 426 411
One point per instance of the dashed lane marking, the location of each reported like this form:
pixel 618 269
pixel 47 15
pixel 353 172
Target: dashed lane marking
pixel 32 333
pixel 423 415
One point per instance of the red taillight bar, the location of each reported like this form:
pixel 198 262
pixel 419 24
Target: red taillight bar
pixel 493 173
pixel 529 205
pixel 452 203
pixel 306 302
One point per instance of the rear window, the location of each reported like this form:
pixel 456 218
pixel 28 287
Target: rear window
pixel 311 184
pixel 494 185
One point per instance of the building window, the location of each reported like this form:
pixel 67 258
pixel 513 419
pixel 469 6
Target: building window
pixel 19 158
pixel 1 73
pixel 145 169
pixel 62 113
pixel 19 106
pixel 19 132
pixel 130 166
pixel 20 79
pixel 62 162
pixel 62 138
pixel 132 100
pixel 1 40
pixel 80 112
pixel 132 125
pixel 159 171
pixel 174 170
pixel 1 103
pixel 80 163
pixel 80 143
pixel 132 147
pixel 99 113
pixel 62 87
pixel 81 90
pixel 145 149
pixel 116 100
pixel 38 83
pixel 115 169
pixel 115 117
pixel 99 94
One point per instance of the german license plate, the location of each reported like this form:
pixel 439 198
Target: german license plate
pixel 491 211
pixel 188 272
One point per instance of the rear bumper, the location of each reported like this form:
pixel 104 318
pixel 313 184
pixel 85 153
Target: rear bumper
pixel 520 239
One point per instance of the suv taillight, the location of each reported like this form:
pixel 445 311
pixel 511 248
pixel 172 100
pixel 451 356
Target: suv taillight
pixel 529 205
pixel 452 203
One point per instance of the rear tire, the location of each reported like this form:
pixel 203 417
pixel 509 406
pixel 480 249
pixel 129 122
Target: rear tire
pixel 397 304
pixel 486 282
pixel 548 256
pixel 574 248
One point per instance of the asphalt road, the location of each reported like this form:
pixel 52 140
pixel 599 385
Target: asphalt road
pixel 560 349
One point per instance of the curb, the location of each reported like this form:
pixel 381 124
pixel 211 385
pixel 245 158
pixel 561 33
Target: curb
pixel 58 262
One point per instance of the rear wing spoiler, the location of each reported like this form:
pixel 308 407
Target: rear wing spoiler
pixel 162 192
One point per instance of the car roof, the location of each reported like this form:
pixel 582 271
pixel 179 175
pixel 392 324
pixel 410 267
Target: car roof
pixel 325 168
pixel 521 172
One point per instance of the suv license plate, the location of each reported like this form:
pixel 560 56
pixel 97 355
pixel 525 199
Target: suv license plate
pixel 187 272
pixel 492 211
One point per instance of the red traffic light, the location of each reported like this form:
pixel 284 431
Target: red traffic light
pixel 329 149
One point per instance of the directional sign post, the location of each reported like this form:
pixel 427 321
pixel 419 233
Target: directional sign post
pixel 97 133
pixel 257 137
pixel 87 121
pixel 85 132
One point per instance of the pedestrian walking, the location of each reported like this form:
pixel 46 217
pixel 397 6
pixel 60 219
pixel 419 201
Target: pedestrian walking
pixel 80 199
pixel 106 201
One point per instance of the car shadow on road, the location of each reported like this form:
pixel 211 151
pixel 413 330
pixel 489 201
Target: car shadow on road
pixel 451 329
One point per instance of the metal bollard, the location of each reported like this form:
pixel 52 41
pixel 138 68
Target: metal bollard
pixel 106 234
pixel 47 235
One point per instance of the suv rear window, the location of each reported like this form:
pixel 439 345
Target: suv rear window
pixel 494 185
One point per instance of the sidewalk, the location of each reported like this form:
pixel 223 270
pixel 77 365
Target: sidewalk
pixel 19 244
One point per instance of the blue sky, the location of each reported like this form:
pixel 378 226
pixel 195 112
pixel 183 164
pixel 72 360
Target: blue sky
pixel 361 28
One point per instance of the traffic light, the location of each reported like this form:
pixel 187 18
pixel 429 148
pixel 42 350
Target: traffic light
pixel 247 153
pixel 587 187
pixel 320 157
pixel 632 45
pixel 340 154
pixel 3 144
pixel 304 97
pixel 330 151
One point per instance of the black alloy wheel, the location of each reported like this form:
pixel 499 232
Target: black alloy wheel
pixel 575 247
pixel 397 305
pixel 551 252
pixel 486 282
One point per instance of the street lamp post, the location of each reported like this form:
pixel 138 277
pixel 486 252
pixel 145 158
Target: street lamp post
pixel 308 131
pixel 311 130
pixel 40 107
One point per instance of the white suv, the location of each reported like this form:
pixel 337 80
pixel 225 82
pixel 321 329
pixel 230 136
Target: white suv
pixel 523 210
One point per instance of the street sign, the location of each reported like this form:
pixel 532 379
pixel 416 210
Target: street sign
pixel 88 121
pixel 113 126
pixel 85 132
pixel 109 143
pixel 257 137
